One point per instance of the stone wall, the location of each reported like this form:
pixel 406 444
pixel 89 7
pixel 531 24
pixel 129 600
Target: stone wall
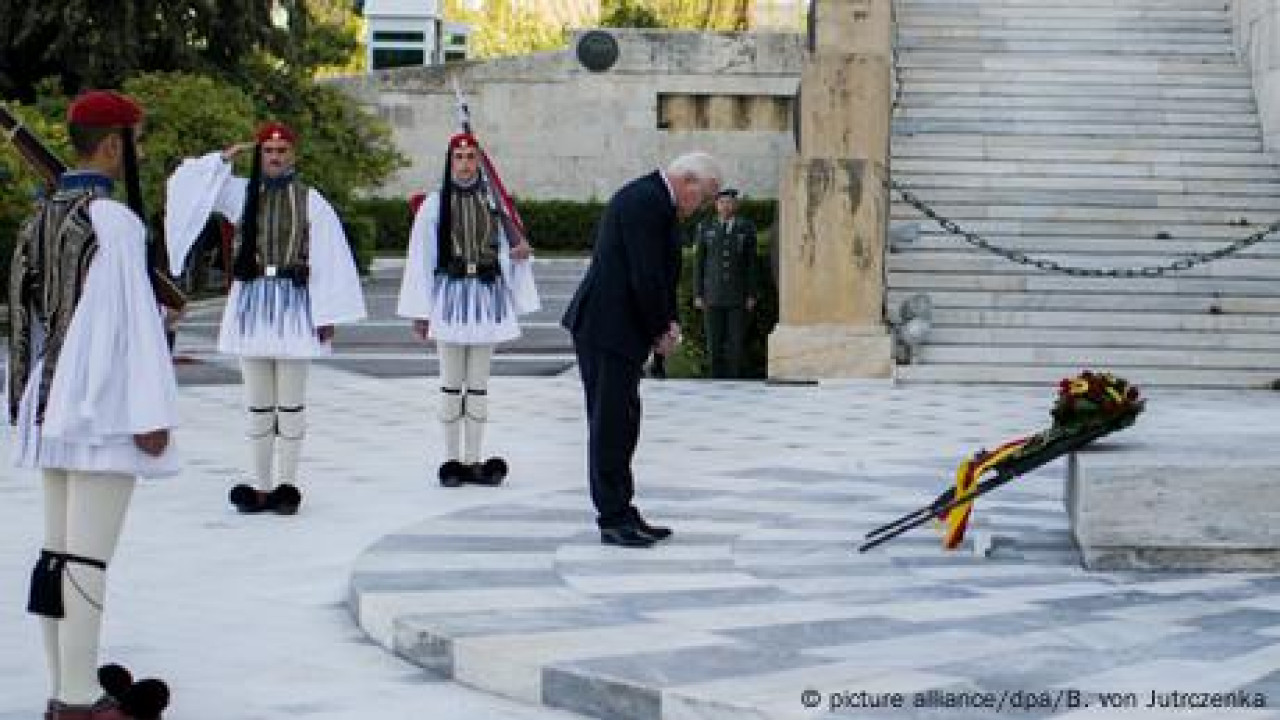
pixel 1257 30
pixel 558 130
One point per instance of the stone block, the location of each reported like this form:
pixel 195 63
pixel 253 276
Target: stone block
pixel 1145 501
pixel 844 105
pixel 854 25
pixel 808 352
pixel 832 228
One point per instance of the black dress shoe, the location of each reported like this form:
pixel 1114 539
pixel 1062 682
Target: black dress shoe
pixel 657 532
pixel 626 536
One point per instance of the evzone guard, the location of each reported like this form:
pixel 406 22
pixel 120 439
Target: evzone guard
pixel 294 280
pixel 92 396
pixel 467 277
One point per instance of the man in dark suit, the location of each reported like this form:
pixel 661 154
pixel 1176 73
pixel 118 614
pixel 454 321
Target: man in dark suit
pixel 624 310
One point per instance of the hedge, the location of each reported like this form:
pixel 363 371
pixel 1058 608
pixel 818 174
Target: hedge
pixel 558 225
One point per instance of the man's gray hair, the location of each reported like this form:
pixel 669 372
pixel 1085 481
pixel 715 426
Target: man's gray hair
pixel 698 164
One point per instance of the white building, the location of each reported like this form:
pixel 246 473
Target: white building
pixel 408 33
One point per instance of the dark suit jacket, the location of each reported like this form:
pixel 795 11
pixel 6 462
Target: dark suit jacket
pixel 628 297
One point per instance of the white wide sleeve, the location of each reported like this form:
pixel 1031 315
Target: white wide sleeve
pixel 199 186
pixel 419 267
pixel 115 375
pixel 519 275
pixel 334 284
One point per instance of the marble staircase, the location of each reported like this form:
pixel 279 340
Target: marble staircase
pixel 1093 133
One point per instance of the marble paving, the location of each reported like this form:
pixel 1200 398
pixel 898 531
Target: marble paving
pixel 760 607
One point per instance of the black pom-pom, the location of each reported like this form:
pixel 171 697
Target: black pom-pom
pixel 494 471
pixel 246 499
pixel 453 473
pixel 285 499
pixel 145 700
pixel 115 680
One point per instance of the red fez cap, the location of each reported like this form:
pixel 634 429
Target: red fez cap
pixel 104 109
pixel 415 202
pixel 463 140
pixel 277 131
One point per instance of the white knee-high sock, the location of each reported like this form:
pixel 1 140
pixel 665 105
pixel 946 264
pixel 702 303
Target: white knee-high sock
pixel 453 365
pixel 291 422
pixel 55 539
pixel 260 396
pixel 476 400
pixel 96 508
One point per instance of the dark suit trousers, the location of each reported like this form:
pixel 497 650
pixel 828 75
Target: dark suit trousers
pixel 611 383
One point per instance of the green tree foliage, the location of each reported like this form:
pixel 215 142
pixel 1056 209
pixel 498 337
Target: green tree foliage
pixel 207 73
pixel 341 148
pixel 187 115
pixel 91 43
pixel 99 43
pixel 629 14
pixel 725 15
pixel 506 27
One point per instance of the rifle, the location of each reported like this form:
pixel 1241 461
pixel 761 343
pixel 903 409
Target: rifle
pixel 506 210
pixel 50 167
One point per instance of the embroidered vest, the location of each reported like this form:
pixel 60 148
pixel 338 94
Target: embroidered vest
pixel 50 263
pixel 473 238
pixel 283 246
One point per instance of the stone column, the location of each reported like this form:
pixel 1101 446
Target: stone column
pixel 1257 35
pixel 833 205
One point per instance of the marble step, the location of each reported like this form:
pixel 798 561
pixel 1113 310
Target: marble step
pixel 1221 50
pixel 546 335
pixel 1153 15
pixel 949 101
pixel 939 240
pixel 1033 146
pixel 1081 93
pixel 1168 218
pixel 1045 282
pixel 1039 145
pixel 1035 21
pixel 1094 338
pixel 1103 195
pixel 922 170
pixel 1082 24
pixel 920 33
pixel 1113 320
pixel 1048 230
pixel 1049 375
pixel 1036 150
pixel 1082 5
pixel 1112 358
pixel 968 261
pixel 1141 127
pixel 1030 81
pixel 1071 115
pixel 1208 304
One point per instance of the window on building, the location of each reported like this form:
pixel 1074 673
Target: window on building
pixel 392 57
pixel 399 36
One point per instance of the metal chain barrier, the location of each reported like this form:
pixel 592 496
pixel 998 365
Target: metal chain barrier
pixel 1017 256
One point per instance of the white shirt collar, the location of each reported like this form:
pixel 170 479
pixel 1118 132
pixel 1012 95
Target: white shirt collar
pixel 670 190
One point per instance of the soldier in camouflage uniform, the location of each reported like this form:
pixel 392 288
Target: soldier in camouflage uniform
pixel 724 283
